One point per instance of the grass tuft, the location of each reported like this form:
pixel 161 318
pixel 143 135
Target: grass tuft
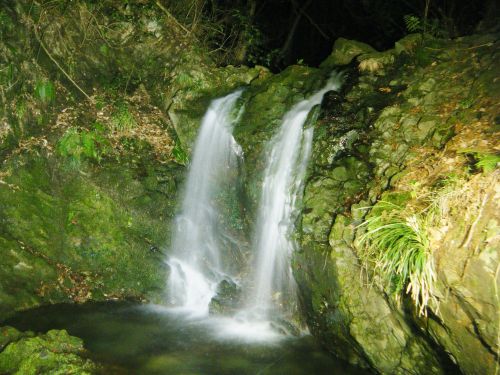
pixel 122 119
pixel 398 246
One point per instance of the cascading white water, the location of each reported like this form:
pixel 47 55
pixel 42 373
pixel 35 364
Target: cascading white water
pixel 196 268
pixel 274 285
pixel 195 264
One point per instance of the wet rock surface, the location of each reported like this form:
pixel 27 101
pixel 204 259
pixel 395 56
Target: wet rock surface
pixel 409 124
pixel 227 300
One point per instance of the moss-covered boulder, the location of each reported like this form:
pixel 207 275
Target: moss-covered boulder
pixel 344 51
pixel 10 334
pixel 68 237
pixel 196 89
pixel 55 352
pixel 227 299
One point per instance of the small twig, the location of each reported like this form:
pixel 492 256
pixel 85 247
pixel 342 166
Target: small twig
pixel 316 26
pixel 58 65
pixel 490 44
pixel 165 10
pixel 478 46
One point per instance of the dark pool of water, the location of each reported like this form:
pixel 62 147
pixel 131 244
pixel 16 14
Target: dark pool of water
pixel 136 339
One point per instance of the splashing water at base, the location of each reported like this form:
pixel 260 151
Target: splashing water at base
pixel 195 264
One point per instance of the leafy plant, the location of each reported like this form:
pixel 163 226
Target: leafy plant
pixel 466 103
pixel 104 49
pixel 122 119
pixel 45 91
pixel 426 26
pixel 487 162
pixel 397 243
pixel 412 23
pixel 180 154
pixel 79 145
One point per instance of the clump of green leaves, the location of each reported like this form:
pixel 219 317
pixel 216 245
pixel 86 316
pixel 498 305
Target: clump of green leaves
pixel 180 155
pixel 122 119
pixel 487 162
pixel 45 91
pixel 396 242
pixel 432 27
pixel 77 145
pixel 412 23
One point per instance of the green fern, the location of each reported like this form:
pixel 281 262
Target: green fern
pixel 413 23
pixel 485 161
pixel 488 162
pixel 122 119
pixel 69 147
pixel 78 145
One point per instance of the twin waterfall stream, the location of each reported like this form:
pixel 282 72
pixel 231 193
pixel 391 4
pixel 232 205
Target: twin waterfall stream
pixel 195 261
pixel 195 264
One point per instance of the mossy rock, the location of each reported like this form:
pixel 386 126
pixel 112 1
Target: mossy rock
pixel 344 51
pixel 410 109
pixel 10 334
pixel 195 90
pixel 227 300
pixel 69 237
pixel 55 352
pixel 408 44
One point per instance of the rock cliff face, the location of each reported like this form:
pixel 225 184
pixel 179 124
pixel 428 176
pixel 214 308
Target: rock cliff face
pixel 413 132
pixel 95 134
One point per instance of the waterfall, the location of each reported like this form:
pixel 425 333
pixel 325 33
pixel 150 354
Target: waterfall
pixel 198 261
pixel 289 150
pixel 195 262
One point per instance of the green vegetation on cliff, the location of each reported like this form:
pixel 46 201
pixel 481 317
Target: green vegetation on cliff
pixel 398 246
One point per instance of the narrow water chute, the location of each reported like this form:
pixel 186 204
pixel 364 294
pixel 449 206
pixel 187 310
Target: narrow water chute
pixel 195 263
pixel 288 154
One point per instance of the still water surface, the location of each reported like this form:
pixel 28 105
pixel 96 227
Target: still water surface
pixel 136 339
